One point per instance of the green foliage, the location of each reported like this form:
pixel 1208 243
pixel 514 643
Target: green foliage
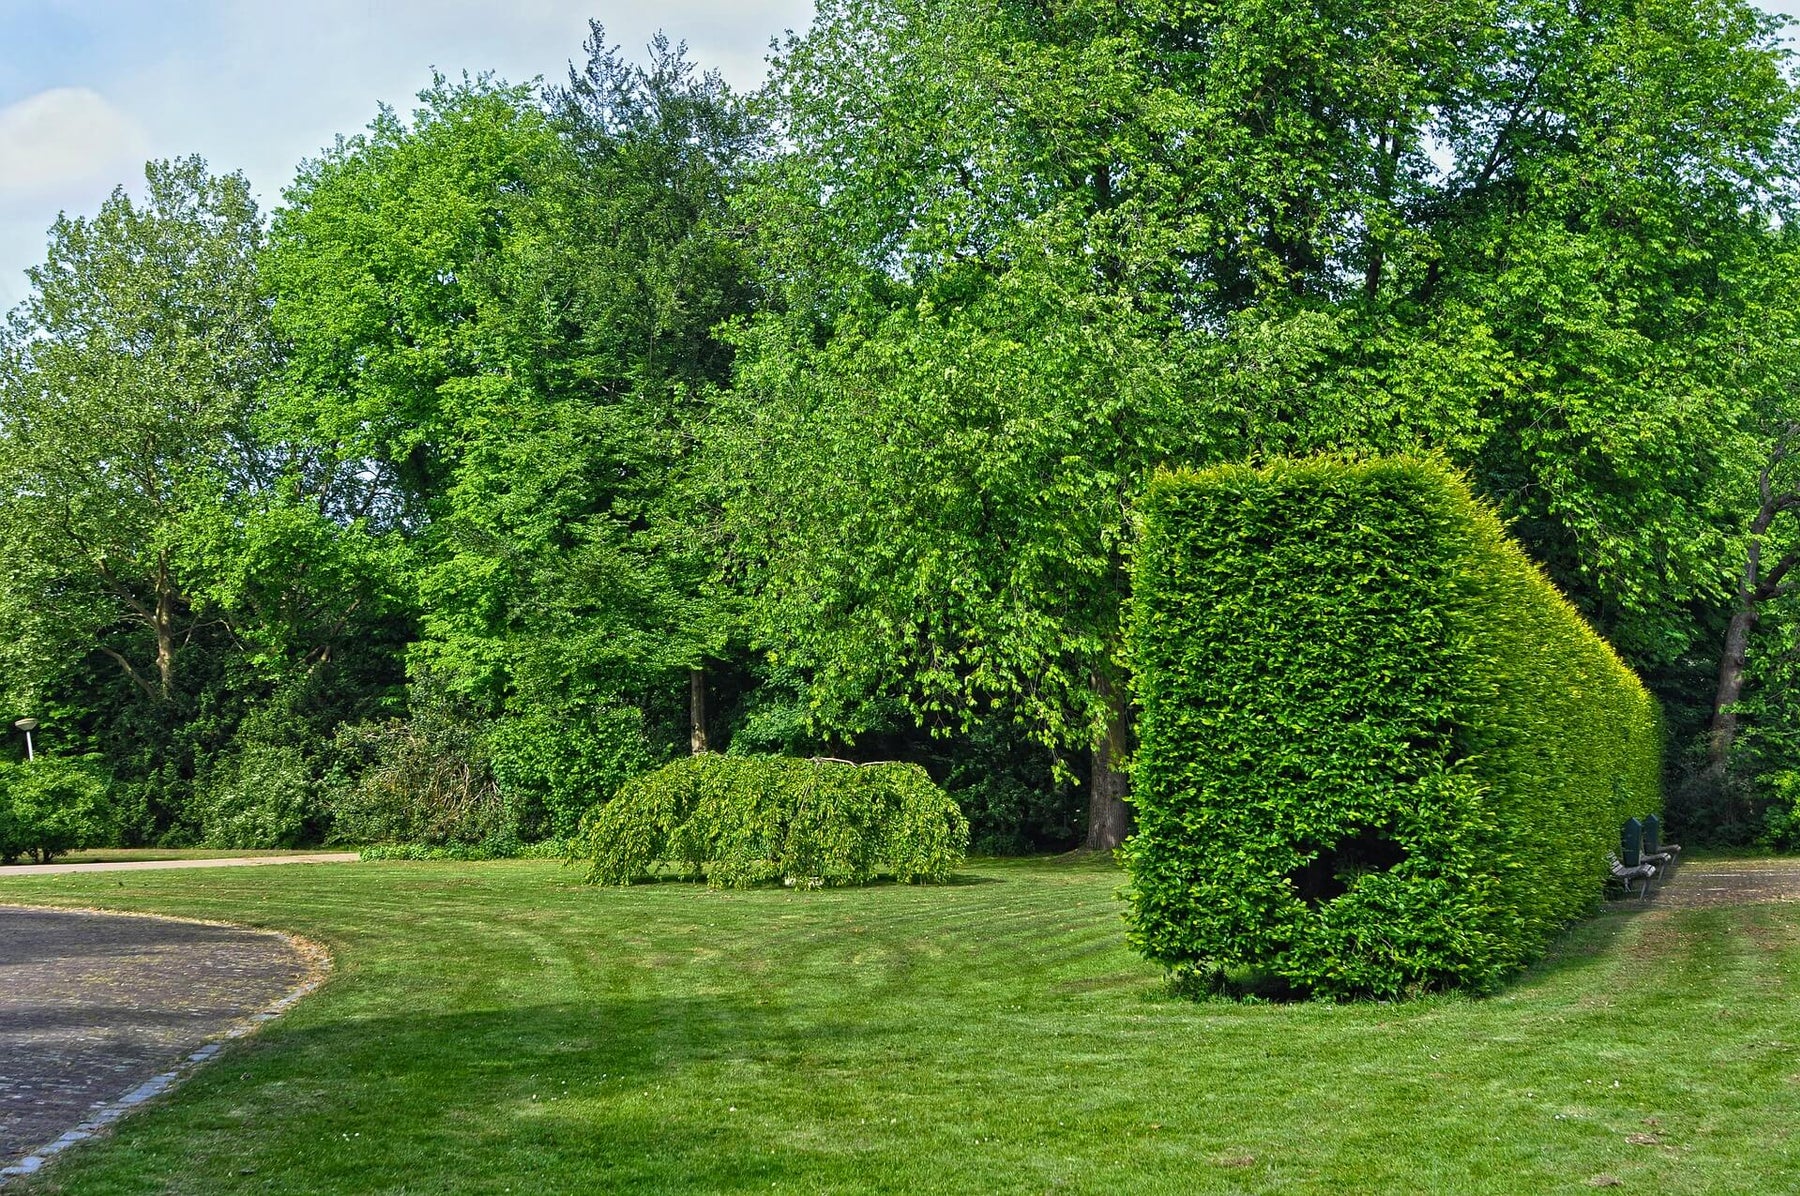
pixel 560 765
pixel 1379 752
pixel 1022 255
pixel 1781 820
pixel 559 394
pixel 263 796
pixel 127 385
pixel 426 779
pixel 262 789
pixel 169 562
pixel 50 806
pixel 740 821
pixel 504 304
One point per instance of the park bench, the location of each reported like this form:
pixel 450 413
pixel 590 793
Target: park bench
pixel 1654 847
pixel 1626 873
pixel 1635 849
pixel 1642 855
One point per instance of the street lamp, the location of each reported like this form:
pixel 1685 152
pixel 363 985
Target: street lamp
pixel 27 725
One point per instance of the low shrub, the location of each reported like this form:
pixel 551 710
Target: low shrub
pixel 1708 807
pixel 1379 753
pixel 1781 818
pixel 501 847
pixel 426 779
pixel 50 806
pixel 743 820
pixel 262 797
pixel 553 763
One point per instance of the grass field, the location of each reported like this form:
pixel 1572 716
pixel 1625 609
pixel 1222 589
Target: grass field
pixel 498 1028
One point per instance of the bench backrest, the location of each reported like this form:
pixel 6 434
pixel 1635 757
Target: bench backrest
pixel 1631 843
pixel 1652 835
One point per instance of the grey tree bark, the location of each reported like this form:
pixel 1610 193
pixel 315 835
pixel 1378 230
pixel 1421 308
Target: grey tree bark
pixel 1756 586
pixel 1109 818
pixel 697 711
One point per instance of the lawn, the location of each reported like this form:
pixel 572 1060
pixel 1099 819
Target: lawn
pixel 498 1028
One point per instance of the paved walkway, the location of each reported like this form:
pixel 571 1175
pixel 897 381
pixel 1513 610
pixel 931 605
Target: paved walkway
pixel 247 861
pixel 99 1012
pixel 1729 882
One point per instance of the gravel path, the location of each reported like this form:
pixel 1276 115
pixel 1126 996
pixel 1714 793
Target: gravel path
pixel 99 1011
pixel 1729 882
pixel 247 861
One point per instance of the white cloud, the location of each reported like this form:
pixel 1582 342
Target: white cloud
pixel 65 139
pixel 259 86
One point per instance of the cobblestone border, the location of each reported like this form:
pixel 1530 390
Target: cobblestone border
pixel 318 961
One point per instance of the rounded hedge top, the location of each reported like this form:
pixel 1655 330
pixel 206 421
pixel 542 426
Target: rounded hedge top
pixel 740 821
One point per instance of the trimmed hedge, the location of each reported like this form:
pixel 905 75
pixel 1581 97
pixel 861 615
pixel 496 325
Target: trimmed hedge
pixel 743 820
pixel 1379 753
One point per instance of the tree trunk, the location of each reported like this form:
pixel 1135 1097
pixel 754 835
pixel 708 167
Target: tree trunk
pixel 1731 687
pixel 697 710
pixel 1109 818
pixel 165 631
pixel 1758 585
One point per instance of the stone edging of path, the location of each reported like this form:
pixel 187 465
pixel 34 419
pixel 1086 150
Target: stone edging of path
pixel 319 965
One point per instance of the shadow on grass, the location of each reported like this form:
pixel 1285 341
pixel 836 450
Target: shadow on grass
pixel 1584 947
pixel 620 1093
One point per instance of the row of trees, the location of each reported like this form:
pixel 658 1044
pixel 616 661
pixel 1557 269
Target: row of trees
pixel 632 416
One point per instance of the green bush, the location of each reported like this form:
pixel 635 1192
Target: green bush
pixel 553 763
pixel 264 796
pixel 1379 753
pixel 1781 819
pixel 426 779
pixel 743 820
pixel 501 847
pixel 50 806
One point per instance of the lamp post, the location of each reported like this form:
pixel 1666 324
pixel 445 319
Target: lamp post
pixel 28 725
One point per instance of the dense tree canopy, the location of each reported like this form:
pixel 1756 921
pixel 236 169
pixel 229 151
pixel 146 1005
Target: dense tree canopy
pixel 537 422
pixel 1024 254
pixel 130 377
pixel 506 308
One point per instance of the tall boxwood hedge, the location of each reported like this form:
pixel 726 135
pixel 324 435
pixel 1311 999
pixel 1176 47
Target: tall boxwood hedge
pixel 1379 753
pixel 743 820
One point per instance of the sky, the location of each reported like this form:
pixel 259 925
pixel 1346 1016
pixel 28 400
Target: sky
pixel 89 89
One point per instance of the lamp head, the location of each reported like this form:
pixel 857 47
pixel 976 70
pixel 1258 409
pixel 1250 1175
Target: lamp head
pixel 27 724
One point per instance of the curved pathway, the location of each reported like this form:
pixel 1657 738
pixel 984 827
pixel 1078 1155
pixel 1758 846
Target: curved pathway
pixel 101 1011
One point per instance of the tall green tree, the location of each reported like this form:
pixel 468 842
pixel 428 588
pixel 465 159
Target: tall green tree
pixel 127 387
pixel 504 305
pixel 1023 254
pixel 170 564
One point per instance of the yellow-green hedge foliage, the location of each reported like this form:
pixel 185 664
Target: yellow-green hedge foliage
pixel 1379 753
